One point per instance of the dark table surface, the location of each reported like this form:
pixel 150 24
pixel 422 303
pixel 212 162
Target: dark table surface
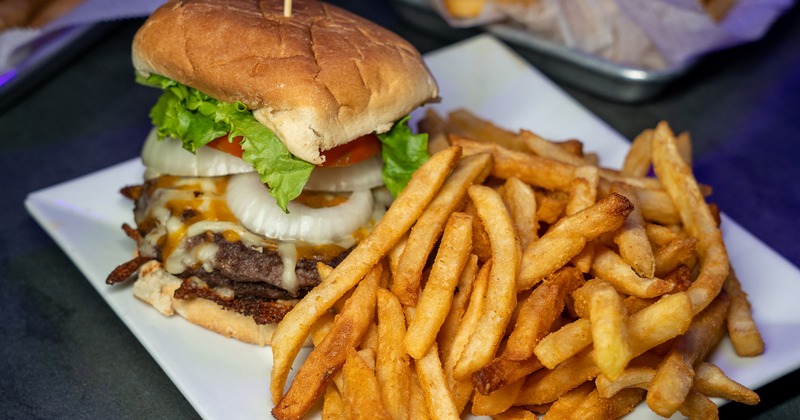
pixel 65 354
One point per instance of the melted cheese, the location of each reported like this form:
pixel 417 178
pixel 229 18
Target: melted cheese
pixel 181 208
pixel 288 253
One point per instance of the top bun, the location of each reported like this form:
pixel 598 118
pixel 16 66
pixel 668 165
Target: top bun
pixel 318 79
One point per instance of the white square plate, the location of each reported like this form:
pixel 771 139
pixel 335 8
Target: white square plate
pixel 223 378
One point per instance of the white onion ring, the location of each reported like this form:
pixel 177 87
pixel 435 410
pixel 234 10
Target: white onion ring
pixel 168 157
pixel 360 176
pixel 258 211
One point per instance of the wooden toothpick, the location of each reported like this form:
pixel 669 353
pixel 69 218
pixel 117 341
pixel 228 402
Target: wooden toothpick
pixel 287 8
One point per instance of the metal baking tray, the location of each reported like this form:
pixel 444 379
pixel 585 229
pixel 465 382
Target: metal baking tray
pixel 580 70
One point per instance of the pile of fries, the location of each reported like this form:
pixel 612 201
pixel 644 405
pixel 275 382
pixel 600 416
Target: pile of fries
pixel 515 277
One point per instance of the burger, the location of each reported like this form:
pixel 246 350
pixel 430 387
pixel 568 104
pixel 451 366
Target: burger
pixel 278 142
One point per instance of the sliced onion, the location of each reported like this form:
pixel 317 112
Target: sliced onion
pixel 258 211
pixel 168 157
pixel 361 176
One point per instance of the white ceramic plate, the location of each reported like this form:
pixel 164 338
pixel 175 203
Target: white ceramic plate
pixel 220 376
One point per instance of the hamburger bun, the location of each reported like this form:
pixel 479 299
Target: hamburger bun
pixel 318 79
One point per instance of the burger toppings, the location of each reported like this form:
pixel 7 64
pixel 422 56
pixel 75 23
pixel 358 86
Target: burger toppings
pixel 197 119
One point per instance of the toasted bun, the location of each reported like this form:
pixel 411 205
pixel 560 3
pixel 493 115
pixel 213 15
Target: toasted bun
pixel 156 287
pixel 318 79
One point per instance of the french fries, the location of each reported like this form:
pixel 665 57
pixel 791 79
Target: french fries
pixel 392 366
pixel 361 391
pixel 330 354
pixel 292 331
pixel 501 293
pixel 695 215
pixel 434 304
pixel 569 236
pixel 516 276
pixel 608 316
pixel 428 228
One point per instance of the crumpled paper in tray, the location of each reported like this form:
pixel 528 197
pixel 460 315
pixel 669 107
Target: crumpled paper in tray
pixel 649 34
pixel 17 45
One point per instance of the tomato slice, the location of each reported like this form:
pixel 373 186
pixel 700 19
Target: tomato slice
pixel 353 152
pixel 224 145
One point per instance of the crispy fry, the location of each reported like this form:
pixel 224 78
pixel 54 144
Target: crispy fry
pixel 292 331
pixel 660 235
pixel 624 402
pixel 449 329
pixel 546 386
pixel 480 239
pixel 521 203
pixel 515 413
pixel 637 161
pixel 583 193
pixel 426 231
pixel 582 296
pixel 538 312
pixel 675 376
pixel 434 385
pixel 560 345
pixel 361 392
pixel 392 367
pixel 549 149
pixel 698 406
pixel 437 296
pixel 466 124
pixel 593 406
pixel 568 237
pixel 609 319
pixel 502 371
pixel 742 329
pixel 501 294
pixel 329 356
pixel 631 238
pixel 665 319
pixel 370 339
pixel 394 256
pixel 657 206
pixel 567 403
pixel 711 381
pixel 673 254
pixel 418 408
pixel 333 405
pixel 609 266
pixel 681 185
pixel 632 377
pixel 498 401
pixel 550 205
pixel 684 144
pixel 461 389
pixel 535 170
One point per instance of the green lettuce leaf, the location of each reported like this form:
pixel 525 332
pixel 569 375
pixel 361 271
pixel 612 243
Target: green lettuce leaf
pixel 402 152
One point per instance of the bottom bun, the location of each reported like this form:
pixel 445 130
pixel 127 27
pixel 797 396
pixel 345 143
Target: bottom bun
pixel 156 286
